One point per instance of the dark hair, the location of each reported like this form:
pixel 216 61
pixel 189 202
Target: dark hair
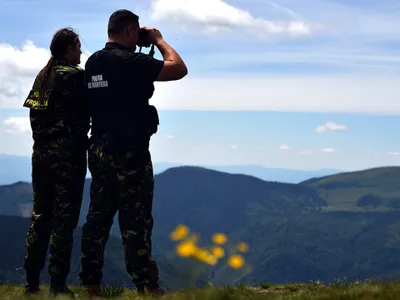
pixel 121 19
pixel 59 45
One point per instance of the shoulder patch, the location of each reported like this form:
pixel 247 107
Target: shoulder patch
pixel 32 101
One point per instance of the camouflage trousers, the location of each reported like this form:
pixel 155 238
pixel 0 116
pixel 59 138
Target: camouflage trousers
pixel 121 181
pixel 58 180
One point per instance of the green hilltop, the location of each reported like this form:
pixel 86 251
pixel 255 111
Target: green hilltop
pixel 376 189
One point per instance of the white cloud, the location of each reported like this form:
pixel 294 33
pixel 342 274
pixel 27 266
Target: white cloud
pixel 234 147
pixel 18 69
pixel 330 126
pixel 15 134
pixel 17 125
pixel 217 16
pixel 394 153
pixel 345 19
pixel 328 150
pixel 341 94
pixel 284 147
pixel 170 136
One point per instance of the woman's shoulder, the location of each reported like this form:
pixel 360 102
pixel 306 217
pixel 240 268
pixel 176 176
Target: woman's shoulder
pixel 62 69
pixel 66 72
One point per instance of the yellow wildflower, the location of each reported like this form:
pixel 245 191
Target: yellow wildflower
pixel 243 247
pixel 180 232
pixel 218 252
pixel 204 256
pixel 219 238
pixel 236 261
pixel 186 248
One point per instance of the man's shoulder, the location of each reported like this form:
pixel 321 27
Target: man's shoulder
pixel 93 57
pixel 135 56
pixel 94 54
pixel 123 54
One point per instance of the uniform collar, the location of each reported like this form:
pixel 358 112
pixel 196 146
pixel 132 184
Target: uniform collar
pixel 114 45
pixel 63 61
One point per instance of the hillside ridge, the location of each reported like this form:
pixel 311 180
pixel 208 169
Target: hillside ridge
pixel 191 168
pixel 347 173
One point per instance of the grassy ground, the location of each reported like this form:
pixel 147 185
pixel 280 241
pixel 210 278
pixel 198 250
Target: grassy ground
pixel 311 291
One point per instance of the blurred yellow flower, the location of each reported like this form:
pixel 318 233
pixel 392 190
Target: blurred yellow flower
pixel 219 238
pixel 186 248
pixel 236 261
pixel 218 252
pixel 204 256
pixel 243 247
pixel 180 232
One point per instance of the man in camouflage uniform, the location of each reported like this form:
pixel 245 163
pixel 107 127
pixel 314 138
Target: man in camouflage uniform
pixel 60 125
pixel 120 84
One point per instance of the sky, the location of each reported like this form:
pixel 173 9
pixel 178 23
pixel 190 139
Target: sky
pixel 301 84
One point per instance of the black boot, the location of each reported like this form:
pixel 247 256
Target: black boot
pixel 140 289
pixel 32 283
pixel 151 286
pixel 155 290
pixel 32 289
pixel 152 289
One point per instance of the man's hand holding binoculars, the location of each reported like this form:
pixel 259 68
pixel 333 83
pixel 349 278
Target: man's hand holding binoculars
pixel 148 36
pixel 174 67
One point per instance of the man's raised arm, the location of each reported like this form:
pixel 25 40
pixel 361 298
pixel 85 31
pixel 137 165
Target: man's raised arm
pixel 174 68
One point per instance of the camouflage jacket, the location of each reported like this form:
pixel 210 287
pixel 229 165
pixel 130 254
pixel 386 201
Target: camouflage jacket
pixel 63 115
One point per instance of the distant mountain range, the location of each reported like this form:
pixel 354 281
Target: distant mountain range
pixel 18 168
pixel 327 228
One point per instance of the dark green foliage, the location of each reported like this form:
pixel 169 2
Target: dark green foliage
pixel 393 203
pixel 12 196
pixel 369 199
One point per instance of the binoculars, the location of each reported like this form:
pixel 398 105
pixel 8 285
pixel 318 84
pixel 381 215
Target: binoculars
pixel 143 40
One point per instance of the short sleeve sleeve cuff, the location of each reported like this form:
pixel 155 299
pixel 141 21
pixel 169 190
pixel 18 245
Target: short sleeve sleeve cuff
pixel 148 67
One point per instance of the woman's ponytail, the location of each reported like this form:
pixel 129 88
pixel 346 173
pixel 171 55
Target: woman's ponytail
pixel 43 79
pixel 62 39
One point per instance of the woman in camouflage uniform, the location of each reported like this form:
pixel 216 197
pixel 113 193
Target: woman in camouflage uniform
pixel 60 124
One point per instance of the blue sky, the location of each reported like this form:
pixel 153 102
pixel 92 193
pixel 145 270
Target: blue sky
pixel 262 75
